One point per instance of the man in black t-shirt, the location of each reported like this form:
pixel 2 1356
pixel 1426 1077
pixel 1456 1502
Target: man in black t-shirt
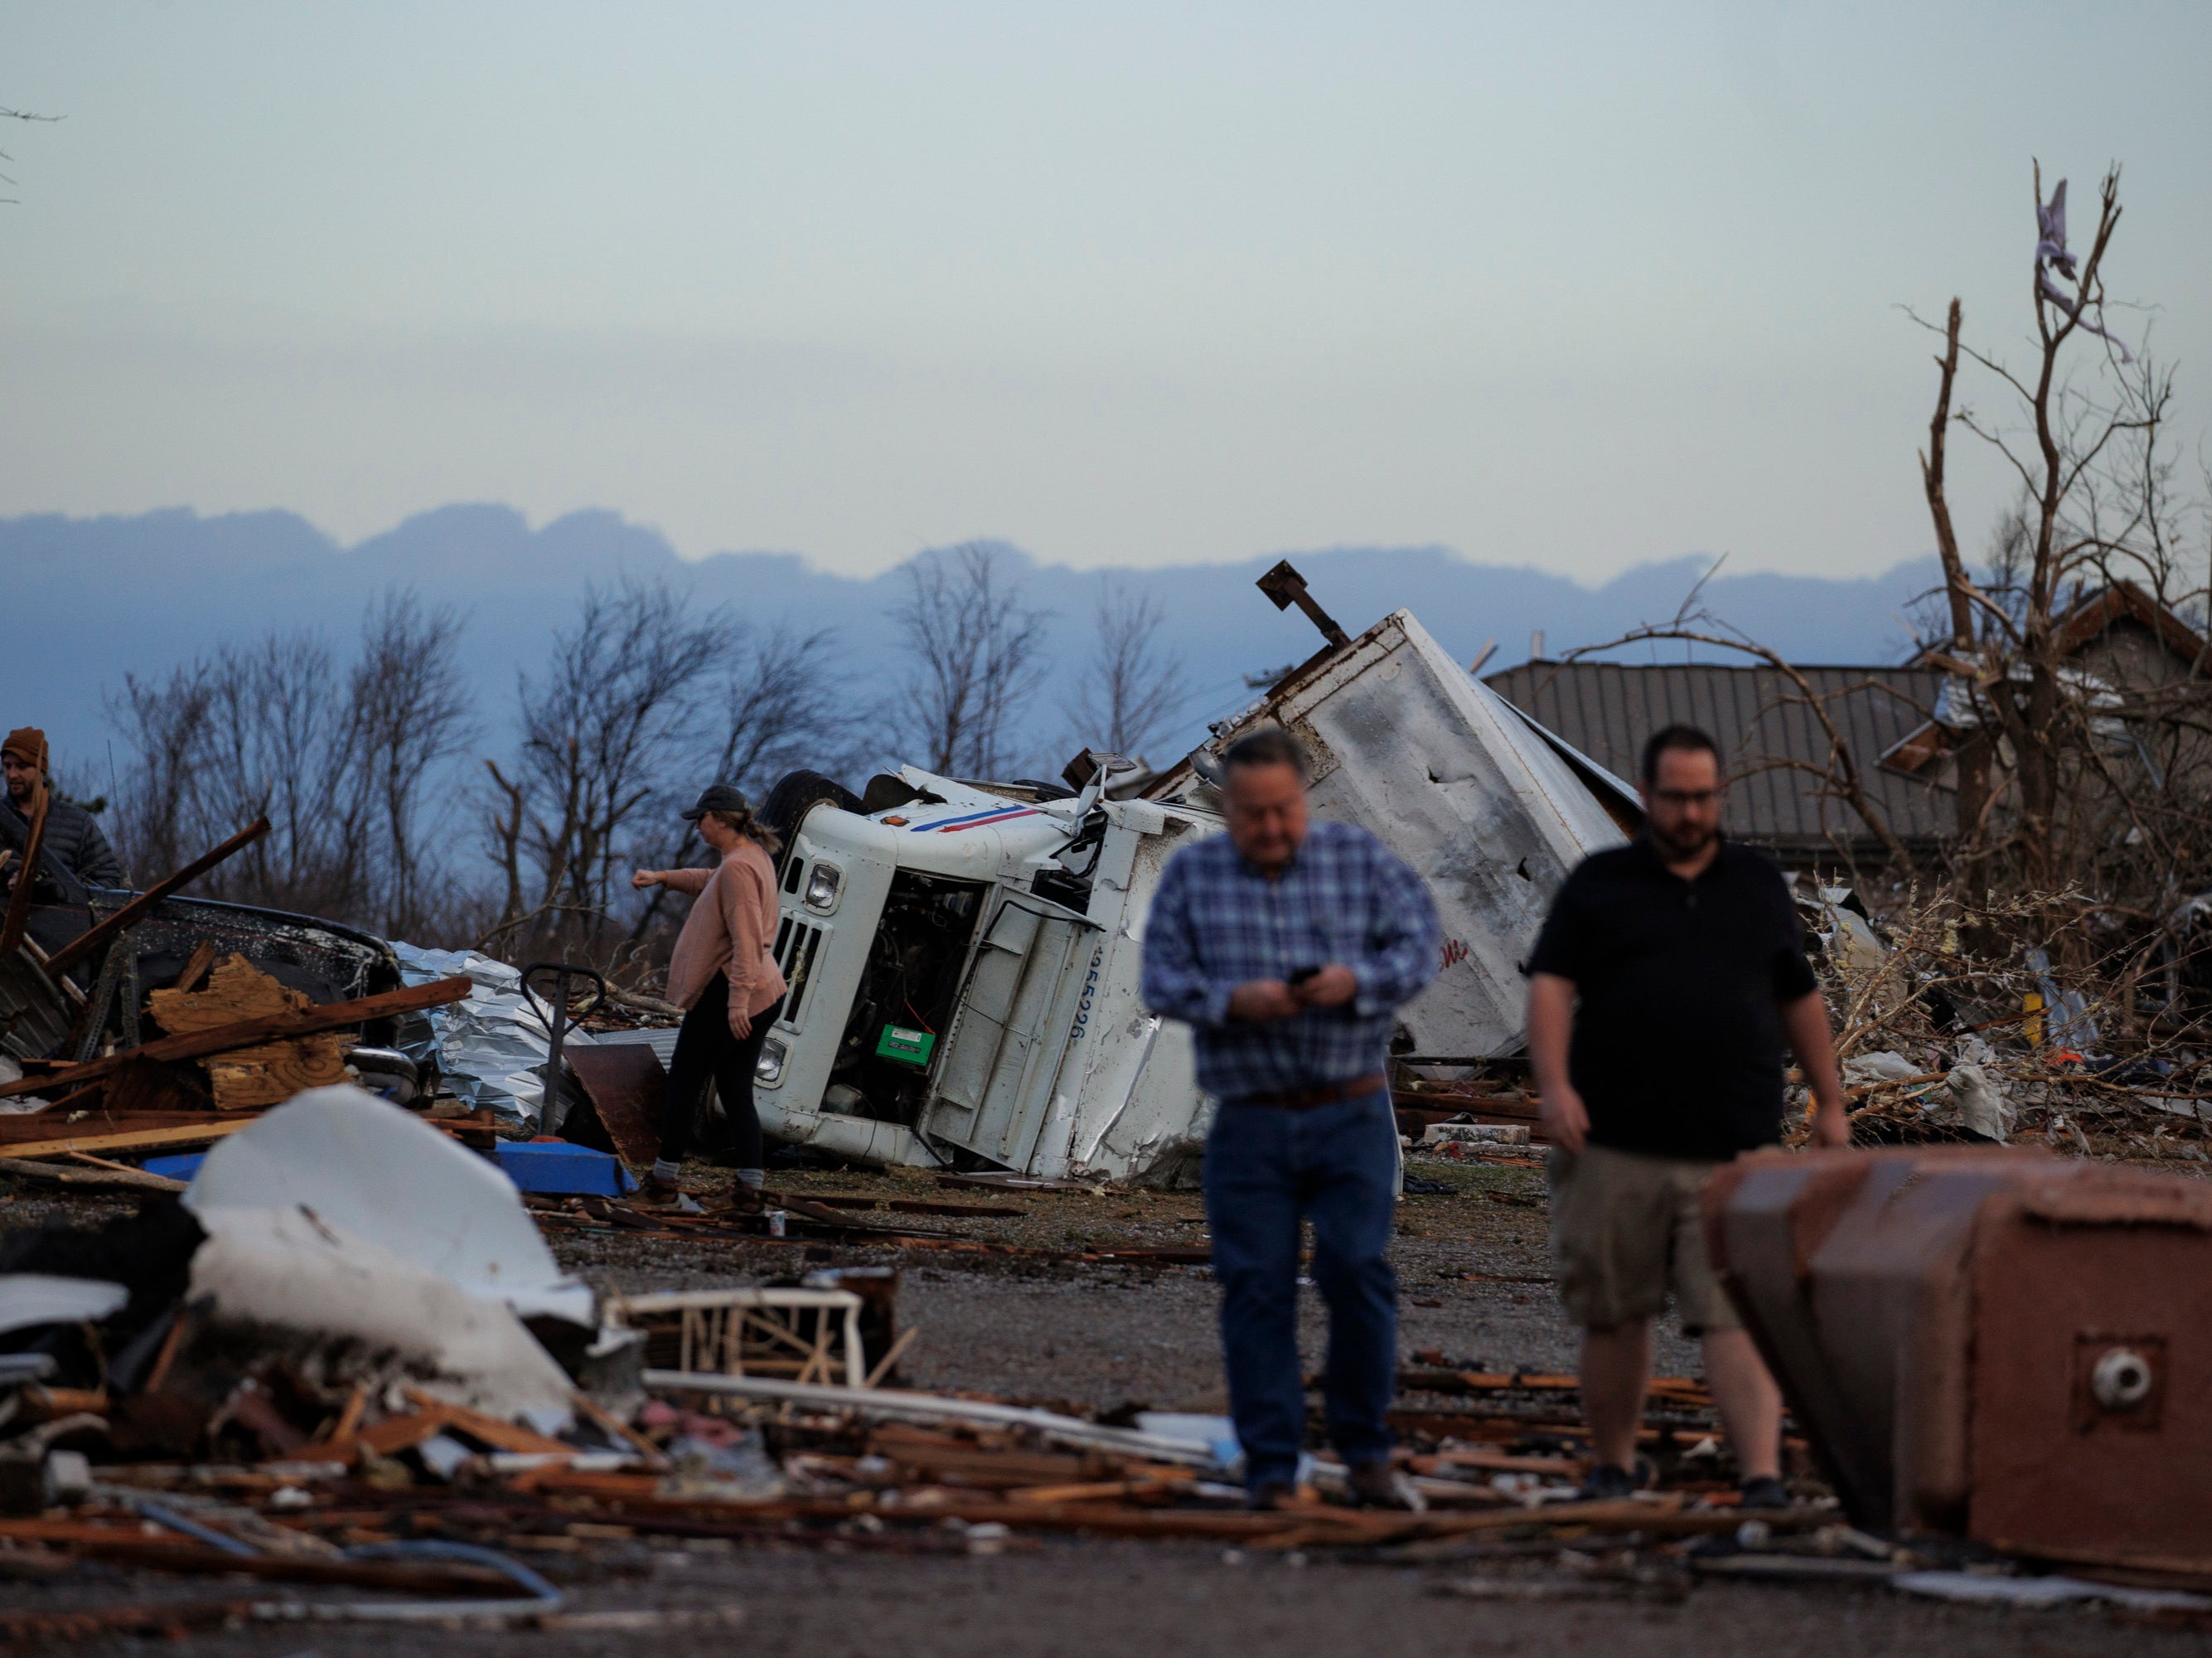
pixel 1667 979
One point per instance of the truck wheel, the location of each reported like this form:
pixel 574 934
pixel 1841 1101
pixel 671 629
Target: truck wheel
pixel 793 797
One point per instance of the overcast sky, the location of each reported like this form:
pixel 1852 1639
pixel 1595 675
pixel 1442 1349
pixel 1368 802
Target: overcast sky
pixel 1578 286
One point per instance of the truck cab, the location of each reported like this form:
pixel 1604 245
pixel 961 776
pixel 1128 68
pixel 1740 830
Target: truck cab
pixel 963 961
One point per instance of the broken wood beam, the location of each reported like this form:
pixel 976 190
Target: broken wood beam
pixel 150 1139
pixel 90 1180
pixel 127 1545
pixel 266 1073
pixel 195 966
pixel 246 1032
pixel 27 872
pixel 18 1130
pixel 93 938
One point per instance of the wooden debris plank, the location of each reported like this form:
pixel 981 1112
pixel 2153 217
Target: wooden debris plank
pixel 155 1139
pixel 500 1435
pixel 236 990
pixel 134 1548
pixel 266 1073
pixel 26 876
pixel 195 1044
pixel 130 915
pixel 196 965
pixel 903 1205
pixel 53 1123
pixel 90 1180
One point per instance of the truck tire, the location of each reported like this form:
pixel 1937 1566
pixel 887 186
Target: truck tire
pixel 796 794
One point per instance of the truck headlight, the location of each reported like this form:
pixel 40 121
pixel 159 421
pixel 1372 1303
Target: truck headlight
pixel 767 1069
pixel 823 887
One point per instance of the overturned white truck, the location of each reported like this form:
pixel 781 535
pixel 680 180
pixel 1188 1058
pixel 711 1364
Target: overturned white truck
pixel 963 957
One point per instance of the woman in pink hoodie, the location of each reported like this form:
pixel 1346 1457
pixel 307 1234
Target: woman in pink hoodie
pixel 725 978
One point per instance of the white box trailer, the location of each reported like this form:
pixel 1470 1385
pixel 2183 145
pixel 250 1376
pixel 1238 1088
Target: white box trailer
pixel 1488 808
pixel 964 958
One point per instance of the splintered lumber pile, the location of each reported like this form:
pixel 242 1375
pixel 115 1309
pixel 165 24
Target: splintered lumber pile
pixel 59 1082
pixel 266 1073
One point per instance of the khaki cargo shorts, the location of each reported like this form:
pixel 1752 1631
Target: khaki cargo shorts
pixel 1624 1230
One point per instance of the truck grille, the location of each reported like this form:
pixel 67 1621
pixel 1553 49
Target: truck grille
pixel 795 945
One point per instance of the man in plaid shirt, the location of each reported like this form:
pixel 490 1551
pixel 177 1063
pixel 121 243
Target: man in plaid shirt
pixel 1288 946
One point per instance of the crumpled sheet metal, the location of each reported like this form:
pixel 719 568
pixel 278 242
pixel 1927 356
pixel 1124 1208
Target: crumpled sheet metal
pixel 29 1299
pixel 294 1270
pixel 376 1172
pixel 492 1044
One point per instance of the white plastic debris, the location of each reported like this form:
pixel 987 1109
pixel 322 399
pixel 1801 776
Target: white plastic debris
pixel 18 1104
pixel 290 1268
pixel 2041 1591
pixel 1888 1066
pixel 1980 1103
pixel 365 1168
pixel 492 1044
pixel 30 1298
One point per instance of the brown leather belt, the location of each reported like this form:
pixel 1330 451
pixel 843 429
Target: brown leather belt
pixel 1328 1094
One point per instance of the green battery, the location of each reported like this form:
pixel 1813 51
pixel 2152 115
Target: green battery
pixel 907 1047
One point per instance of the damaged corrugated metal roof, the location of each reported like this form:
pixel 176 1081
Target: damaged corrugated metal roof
pixel 1767 734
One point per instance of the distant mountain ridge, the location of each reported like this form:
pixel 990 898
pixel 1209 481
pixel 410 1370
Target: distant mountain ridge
pixel 95 598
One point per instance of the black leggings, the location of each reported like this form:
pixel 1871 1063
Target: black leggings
pixel 705 1051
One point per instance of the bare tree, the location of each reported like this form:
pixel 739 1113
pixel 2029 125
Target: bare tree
pixel 411 720
pixel 272 740
pixel 341 761
pixel 155 824
pixel 616 712
pixel 1134 685
pixel 977 659
pixel 2074 768
pixel 783 703
pixel 7 114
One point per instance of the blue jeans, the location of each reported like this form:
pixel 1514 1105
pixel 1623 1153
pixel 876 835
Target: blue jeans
pixel 1266 1165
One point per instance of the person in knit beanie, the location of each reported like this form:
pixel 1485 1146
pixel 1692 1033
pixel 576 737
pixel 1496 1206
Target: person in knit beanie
pixel 72 839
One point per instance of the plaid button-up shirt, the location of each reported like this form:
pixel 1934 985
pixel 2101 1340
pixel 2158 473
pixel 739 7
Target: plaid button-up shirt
pixel 1216 923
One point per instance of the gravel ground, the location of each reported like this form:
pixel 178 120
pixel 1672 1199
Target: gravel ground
pixel 1105 1600
pixel 1471 1267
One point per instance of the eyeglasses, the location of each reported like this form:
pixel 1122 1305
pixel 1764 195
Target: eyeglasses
pixel 1686 797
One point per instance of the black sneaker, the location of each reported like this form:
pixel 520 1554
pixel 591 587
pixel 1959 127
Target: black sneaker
pixel 1271 1494
pixel 1606 1483
pixel 1764 1492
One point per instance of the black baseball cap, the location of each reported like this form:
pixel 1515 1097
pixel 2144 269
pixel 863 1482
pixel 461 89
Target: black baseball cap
pixel 719 797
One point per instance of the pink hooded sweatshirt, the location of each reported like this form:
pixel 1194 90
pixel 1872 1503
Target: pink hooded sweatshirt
pixel 731 931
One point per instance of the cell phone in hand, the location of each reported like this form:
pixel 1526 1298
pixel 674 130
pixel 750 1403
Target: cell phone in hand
pixel 1301 976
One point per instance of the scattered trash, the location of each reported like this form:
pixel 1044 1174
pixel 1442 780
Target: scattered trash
pixel 490 1047
pixel 365 1168
pixel 271 1270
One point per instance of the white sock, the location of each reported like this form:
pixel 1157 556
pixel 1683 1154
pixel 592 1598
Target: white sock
pixel 753 1178
pixel 665 1171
